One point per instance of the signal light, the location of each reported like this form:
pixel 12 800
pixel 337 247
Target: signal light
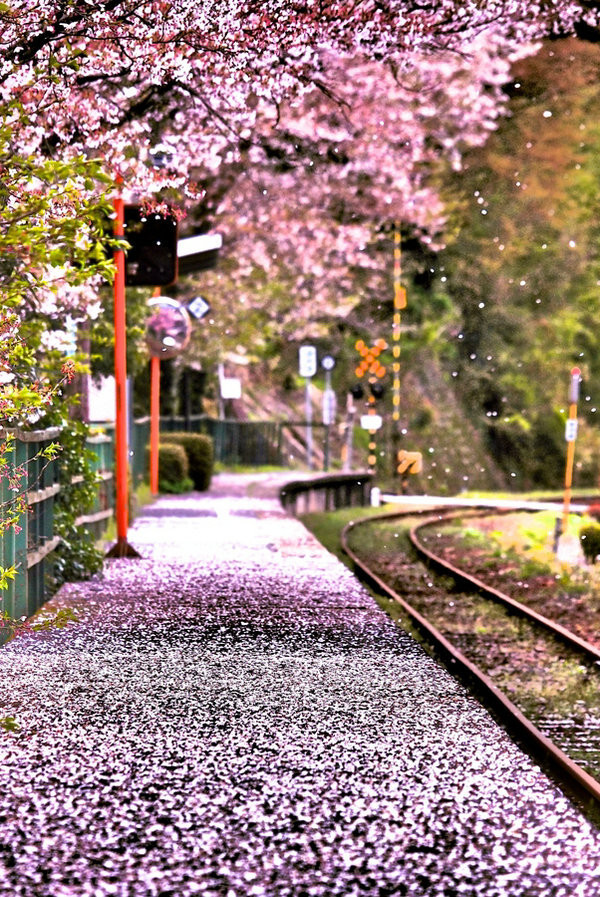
pixel 377 390
pixel 151 260
pixel 356 391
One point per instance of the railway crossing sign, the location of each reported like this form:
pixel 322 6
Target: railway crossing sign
pixel 370 358
pixel 409 462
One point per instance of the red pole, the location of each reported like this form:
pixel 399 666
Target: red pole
pixel 121 548
pixel 154 421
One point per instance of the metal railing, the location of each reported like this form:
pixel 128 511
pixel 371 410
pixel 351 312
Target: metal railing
pixel 327 493
pixel 102 447
pixel 253 443
pixel 30 546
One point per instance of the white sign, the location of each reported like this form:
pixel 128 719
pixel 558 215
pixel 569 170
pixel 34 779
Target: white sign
pixel 231 388
pixel 371 421
pixel 571 430
pixel 308 361
pixel 102 400
pixel 574 385
pixel 198 307
pixel 329 407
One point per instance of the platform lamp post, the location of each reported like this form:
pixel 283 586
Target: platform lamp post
pixel 168 331
pixel 154 415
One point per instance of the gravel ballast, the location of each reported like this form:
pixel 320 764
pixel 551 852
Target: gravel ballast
pixel 232 715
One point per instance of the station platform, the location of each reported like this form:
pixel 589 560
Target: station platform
pixel 233 715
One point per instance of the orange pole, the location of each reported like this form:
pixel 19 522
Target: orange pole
pixel 154 421
pixel 121 459
pixel 154 415
pixel 121 547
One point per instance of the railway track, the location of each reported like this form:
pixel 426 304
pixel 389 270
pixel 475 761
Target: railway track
pixel 570 773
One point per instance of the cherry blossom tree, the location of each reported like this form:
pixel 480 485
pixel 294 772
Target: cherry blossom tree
pixel 348 106
pixel 114 80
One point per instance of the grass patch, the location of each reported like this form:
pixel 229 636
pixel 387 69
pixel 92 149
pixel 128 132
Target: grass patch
pixel 327 527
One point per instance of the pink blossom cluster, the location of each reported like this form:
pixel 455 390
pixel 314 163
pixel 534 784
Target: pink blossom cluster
pixel 200 78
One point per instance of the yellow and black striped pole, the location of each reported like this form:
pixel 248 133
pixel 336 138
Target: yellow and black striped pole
pixel 399 304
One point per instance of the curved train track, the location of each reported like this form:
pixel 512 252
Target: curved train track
pixel 570 773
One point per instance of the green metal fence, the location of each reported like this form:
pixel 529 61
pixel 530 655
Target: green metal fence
pixel 252 443
pixel 101 446
pixel 30 549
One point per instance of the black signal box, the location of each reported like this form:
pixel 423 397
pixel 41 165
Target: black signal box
pixel 151 260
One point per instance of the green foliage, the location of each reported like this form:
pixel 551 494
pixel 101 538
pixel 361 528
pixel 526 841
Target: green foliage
pixel 524 267
pixel 56 226
pixel 6 575
pixel 58 620
pixel 9 724
pixel 200 455
pixel 589 536
pixel 52 245
pixel 76 557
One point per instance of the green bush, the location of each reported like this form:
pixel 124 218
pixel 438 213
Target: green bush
pixel 589 536
pixel 200 455
pixel 173 469
pixel 76 556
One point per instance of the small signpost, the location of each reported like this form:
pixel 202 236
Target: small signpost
pixel 329 407
pixel 307 366
pixel 329 404
pixel 570 437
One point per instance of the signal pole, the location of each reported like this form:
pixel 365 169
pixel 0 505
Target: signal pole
pixel 399 304
pixel 570 436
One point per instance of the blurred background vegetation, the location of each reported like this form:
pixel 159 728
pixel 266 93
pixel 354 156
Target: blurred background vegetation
pixel 495 321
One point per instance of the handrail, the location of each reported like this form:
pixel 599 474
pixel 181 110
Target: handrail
pixel 327 492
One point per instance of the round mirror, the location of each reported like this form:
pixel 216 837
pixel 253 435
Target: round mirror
pixel 168 329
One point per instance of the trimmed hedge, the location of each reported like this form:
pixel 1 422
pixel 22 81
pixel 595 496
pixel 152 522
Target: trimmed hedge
pixel 173 469
pixel 200 455
pixel 589 536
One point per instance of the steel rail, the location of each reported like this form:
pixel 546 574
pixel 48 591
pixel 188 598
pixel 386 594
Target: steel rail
pixel 489 591
pixel 515 720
